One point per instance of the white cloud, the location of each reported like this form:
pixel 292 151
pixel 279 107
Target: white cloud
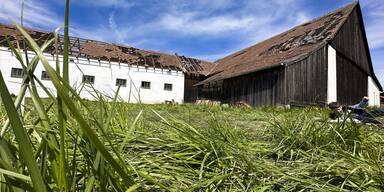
pixel 380 75
pixel 215 56
pixel 40 16
pixel 375 35
pixel 248 20
pixel 202 5
pixel 378 65
pixel 374 11
pixel 113 26
pixel 93 33
pixel 106 3
pixel 191 24
pixel 36 14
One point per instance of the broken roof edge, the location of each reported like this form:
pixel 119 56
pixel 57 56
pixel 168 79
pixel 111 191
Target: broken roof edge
pixel 360 15
pixel 357 5
pixel 353 5
pixel 286 62
pixel 238 74
pixel 203 70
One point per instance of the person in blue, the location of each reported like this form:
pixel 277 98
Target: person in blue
pixel 357 112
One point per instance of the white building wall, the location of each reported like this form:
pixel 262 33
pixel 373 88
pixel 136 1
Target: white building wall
pixel 105 74
pixel 373 93
pixel 332 76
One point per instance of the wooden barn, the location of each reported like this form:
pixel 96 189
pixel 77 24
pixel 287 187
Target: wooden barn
pixel 318 62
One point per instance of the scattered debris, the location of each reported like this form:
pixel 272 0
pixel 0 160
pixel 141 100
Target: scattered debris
pixel 242 104
pixel 172 102
pixel 208 102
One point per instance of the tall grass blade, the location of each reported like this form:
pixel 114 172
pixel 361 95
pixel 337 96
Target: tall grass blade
pixel 21 94
pixel 61 108
pixel 16 175
pixel 22 138
pixel 63 92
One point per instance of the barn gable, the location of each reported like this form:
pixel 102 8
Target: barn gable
pixel 350 41
pixel 301 61
pixel 286 47
pixel 354 64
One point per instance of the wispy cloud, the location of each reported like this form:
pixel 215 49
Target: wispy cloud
pixel 214 57
pixel 106 3
pixel 200 18
pixel 36 14
pixel 380 75
pixel 374 25
pixel 40 15
pixel 374 22
pixel 248 21
pixel 190 24
pixel 377 59
pixel 114 28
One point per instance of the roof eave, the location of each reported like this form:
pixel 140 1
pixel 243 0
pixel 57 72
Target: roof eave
pixel 240 74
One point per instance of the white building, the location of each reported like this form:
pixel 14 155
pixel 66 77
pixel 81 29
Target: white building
pixel 143 76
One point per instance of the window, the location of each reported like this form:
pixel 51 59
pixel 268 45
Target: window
pixel 88 79
pixel 45 76
pixel 17 73
pixel 167 86
pixel 121 82
pixel 145 84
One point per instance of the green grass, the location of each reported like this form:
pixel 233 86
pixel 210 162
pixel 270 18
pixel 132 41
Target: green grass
pixel 189 147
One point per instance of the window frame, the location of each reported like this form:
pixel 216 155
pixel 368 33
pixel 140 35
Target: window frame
pixel 16 74
pixel 145 87
pixel 85 79
pixel 119 84
pixel 45 76
pixel 168 89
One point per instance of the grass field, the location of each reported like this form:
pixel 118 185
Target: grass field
pixel 201 148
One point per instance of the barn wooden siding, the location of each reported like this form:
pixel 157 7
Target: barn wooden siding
pixel 257 89
pixel 211 91
pixel 191 91
pixel 303 82
pixel 306 79
pixel 353 60
pixel 351 42
pixel 352 83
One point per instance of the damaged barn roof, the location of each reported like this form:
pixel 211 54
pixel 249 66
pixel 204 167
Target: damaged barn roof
pixel 288 46
pixel 111 52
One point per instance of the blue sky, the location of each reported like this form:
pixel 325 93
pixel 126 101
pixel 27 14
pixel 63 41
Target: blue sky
pixel 205 29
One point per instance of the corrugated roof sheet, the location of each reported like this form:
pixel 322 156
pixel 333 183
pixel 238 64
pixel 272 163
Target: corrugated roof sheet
pixel 112 52
pixel 290 45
